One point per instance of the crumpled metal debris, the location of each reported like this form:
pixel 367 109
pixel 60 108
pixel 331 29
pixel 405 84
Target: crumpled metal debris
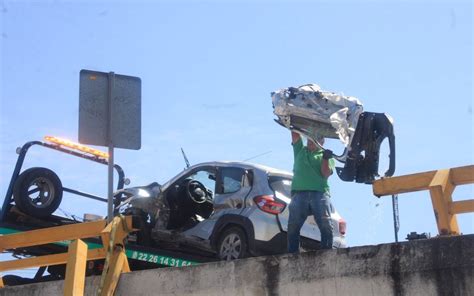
pixel 318 112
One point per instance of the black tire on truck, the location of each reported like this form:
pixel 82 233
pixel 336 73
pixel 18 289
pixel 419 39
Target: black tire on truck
pixel 38 192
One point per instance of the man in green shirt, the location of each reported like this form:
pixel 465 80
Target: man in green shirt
pixel 310 191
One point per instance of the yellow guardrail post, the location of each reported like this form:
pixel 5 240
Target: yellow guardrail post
pixel 115 261
pixel 112 276
pixel 441 185
pixel 441 188
pixel 76 269
pixel 113 250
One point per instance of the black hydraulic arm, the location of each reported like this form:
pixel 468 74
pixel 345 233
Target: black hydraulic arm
pixel 362 162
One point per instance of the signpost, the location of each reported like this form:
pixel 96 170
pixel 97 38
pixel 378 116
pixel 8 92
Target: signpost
pixel 396 217
pixel 110 116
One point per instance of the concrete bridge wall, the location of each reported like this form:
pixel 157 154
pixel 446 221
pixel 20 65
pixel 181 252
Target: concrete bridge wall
pixel 441 266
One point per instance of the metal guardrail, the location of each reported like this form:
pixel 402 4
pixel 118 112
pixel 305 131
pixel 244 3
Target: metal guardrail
pixel 441 184
pixel 112 235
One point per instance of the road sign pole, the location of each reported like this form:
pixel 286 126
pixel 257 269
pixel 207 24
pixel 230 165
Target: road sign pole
pixel 110 203
pixel 396 217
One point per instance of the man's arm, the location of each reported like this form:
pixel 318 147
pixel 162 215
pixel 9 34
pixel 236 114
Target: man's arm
pixel 326 170
pixel 297 143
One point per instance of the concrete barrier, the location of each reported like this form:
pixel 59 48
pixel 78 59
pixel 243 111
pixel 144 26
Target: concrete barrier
pixel 439 266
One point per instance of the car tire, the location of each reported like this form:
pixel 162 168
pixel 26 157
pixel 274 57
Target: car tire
pixel 232 244
pixel 38 192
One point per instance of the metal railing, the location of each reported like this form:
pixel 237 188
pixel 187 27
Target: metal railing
pixel 441 184
pixel 112 235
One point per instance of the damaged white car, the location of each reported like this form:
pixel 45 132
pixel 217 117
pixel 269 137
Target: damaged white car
pixel 313 112
pixel 230 210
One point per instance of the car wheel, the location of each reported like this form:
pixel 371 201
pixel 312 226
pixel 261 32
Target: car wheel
pixel 38 192
pixel 232 244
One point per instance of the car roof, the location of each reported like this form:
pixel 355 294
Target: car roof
pixel 246 165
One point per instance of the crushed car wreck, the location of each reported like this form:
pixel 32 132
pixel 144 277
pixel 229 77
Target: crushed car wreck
pixel 228 209
pixel 313 112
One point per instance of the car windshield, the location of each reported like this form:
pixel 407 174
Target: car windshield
pixel 281 185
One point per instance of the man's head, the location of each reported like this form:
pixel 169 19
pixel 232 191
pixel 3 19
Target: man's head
pixel 312 146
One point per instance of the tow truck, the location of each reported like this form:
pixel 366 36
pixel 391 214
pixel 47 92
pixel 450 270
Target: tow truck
pixel 34 195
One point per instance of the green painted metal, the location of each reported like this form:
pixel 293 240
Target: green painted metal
pixel 131 254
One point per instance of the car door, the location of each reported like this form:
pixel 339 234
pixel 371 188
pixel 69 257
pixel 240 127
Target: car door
pixel 207 177
pixel 231 188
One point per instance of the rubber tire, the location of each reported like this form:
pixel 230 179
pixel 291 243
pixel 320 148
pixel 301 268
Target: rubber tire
pixel 243 239
pixel 20 192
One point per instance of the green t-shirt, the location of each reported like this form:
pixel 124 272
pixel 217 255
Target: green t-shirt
pixel 307 169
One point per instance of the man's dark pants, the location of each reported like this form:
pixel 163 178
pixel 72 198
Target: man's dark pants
pixel 303 204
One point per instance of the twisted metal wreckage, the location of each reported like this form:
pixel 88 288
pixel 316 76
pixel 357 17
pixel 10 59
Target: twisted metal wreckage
pixel 316 113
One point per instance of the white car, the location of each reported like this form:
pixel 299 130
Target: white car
pixel 228 209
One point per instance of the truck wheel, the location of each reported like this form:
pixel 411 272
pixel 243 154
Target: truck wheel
pixel 38 192
pixel 232 244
